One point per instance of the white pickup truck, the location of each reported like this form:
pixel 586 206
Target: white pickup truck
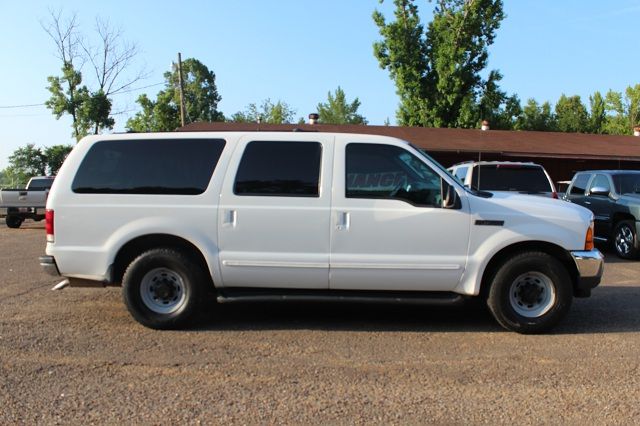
pixel 27 203
pixel 174 217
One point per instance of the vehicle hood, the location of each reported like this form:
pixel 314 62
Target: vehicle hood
pixel 528 217
pixel 514 204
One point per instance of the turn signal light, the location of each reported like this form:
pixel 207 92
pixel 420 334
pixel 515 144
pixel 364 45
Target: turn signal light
pixel 588 240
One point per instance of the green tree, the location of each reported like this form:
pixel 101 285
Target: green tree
pixel 502 111
pixel 597 113
pixel 536 117
pixel 55 156
pixel 437 72
pixel 623 112
pixel 90 109
pixel 267 112
pixel 68 97
pixel 571 115
pixel 338 111
pixel 26 162
pixel 200 97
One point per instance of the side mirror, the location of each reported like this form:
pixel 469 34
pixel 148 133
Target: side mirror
pixel 599 190
pixel 450 198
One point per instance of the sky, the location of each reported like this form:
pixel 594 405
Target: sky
pixel 297 51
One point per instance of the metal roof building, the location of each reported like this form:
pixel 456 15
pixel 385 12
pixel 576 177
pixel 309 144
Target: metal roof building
pixel 562 154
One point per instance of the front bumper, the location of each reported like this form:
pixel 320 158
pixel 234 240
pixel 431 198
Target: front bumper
pixel 49 265
pixel 590 265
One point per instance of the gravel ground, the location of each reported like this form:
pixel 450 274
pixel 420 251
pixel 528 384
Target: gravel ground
pixel 77 357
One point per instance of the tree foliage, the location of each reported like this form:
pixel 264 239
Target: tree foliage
pixel 437 72
pixel 266 112
pixel 29 161
pixel 109 59
pixel 55 156
pixel 200 97
pixel 571 115
pixel 536 117
pixel 338 111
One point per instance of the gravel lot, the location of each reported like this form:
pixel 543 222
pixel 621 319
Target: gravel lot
pixel 76 357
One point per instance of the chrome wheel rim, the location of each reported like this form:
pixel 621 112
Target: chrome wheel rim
pixel 624 240
pixel 532 294
pixel 162 291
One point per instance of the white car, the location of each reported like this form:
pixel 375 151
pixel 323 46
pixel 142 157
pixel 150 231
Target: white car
pixel 306 216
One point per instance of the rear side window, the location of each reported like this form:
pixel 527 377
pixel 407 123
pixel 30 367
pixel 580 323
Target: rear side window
pixel 279 169
pixel 580 184
pixel 148 166
pixel 517 177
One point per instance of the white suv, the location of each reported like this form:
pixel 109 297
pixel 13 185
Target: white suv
pixel 173 217
pixel 521 177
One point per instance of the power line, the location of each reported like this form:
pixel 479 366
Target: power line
pixel 113 94
pixel 21 106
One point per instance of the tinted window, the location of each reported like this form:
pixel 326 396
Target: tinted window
pixel 148 166
pixel 580 184
pixel 40 184
pixel 390 172
pixel 279 169
pixel 600 181
pixel 627 183
pixel 510 177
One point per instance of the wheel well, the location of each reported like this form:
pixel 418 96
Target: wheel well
pixel 551 249
pixel 139 245
pixel 617 217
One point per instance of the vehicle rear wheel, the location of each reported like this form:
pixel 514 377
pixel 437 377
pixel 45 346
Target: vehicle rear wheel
pixel 625 240
pixel 163 288
pixel 530 293
pixel 13 221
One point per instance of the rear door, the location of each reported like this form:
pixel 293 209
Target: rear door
pixel 274 213
pixel 389 230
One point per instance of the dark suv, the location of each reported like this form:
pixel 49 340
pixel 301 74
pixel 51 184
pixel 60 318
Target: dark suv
pixel 614 198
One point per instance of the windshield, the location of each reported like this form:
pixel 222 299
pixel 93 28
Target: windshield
pixel 627 183
pixel 447 172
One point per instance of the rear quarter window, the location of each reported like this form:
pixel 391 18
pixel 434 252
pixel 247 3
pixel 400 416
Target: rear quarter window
pixel 148 166
pixel 522 178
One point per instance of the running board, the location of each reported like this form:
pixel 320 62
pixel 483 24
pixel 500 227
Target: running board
pixel 433 298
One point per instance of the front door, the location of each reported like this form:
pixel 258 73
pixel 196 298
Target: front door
pixel 389 229
pixel 274 213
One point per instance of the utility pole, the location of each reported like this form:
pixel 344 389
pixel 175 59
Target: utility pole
pixel 181 89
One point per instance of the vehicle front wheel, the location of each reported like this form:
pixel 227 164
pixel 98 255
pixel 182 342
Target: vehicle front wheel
pixel 625 240
pixel 530 293
pixel 163 288
pixel 13 221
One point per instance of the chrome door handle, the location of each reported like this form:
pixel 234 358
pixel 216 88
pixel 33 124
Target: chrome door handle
pixel 587 202
pixel 231 218
pixel 344 221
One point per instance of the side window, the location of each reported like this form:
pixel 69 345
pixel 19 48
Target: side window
pixel 600 181
pixel 148 166
pixel 461 173
pixel 279 169
pixel 389 172
pixel 580 184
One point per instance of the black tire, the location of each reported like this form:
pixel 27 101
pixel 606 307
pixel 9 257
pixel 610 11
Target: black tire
pixel 13 221
pixel 530 293
pixel 163 288
pixel 625 240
